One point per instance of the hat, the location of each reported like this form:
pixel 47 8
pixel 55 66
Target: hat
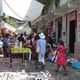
pixel 41 35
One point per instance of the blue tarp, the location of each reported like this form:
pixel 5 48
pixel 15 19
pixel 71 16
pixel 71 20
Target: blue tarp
pixel 76 64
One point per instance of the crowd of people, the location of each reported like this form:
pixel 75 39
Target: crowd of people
pixel 39 46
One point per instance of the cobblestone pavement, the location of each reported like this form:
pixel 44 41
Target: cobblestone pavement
pixel 29 66
pixel 73 74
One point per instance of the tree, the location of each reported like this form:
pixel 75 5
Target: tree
pixel 56 2
pixel 47 4
pixel 29 23
pixel 12 21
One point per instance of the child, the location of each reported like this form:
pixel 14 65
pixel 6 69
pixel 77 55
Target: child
pixel 61 60
pixel 52 55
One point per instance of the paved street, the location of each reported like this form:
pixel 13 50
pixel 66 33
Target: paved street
pixel 73 74
pixel 29 66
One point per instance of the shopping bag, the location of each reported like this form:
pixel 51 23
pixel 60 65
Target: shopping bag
pixel 50 58
pixel 54 58
pixel 37 49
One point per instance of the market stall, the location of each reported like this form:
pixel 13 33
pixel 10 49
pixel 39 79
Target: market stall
pixel 22 51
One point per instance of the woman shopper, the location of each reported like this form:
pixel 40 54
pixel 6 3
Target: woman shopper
pixel 62 57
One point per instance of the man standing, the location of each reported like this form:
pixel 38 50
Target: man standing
pixel 41 43
pixel 21 40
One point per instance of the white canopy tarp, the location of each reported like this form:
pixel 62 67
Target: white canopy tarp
pixel 34 11
pixel 9 27
pixel 24 28
pixel 20 9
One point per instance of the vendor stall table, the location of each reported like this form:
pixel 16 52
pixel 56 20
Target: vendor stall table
pixel 22 51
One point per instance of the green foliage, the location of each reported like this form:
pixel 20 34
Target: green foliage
pixel 29 23
pixel 47 4
pixel 10 20
pixel 56 2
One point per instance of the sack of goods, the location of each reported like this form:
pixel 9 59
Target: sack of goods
pixel 1 44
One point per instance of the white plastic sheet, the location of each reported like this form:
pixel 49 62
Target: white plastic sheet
pixel 34 11
pixel 22 9
pixel 24 28
pixel 9 27
pixel 16 8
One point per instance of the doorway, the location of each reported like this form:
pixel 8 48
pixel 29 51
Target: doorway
pixel 72 35
pixel 59 29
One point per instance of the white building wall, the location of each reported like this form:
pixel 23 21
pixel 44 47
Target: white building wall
pixel 77 42
pixel 78 27
pixel 64 29
pixel 62 2
pixel 68 10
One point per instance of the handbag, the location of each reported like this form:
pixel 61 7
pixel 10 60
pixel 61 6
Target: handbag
pixel 37 49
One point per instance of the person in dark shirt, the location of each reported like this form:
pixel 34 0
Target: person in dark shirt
pixel 21 40
pixel 5 47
